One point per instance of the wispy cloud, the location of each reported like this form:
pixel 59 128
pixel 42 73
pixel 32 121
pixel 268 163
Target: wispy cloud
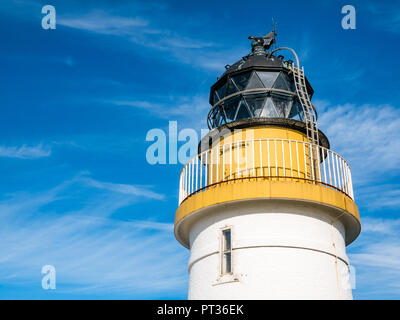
pixel 101 22
pixel 135 29
pixel 377 252
pixel 367 136
pixel 380 196
pixel 92 252
pixel 138 191
pixel 382 226
pixel 25 151
pixel 145 32
pixel 192 112
pixel 386 15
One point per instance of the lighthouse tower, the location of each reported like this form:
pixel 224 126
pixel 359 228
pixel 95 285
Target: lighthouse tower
pixel 266 208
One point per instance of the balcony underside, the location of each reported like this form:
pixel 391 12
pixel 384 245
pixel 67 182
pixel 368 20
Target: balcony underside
pixel 286 189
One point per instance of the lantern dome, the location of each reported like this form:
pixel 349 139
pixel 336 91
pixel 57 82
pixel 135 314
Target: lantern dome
pixel 260 85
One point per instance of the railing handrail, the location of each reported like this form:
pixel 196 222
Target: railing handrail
pixel 330 170
pixel 241 141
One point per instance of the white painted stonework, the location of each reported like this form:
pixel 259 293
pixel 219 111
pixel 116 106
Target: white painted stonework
pixel 282 249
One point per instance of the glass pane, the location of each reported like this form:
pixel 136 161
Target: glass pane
pixel 281 105
pixel 231 88
pixel 227 263
pixel 222 116
pixel 218 118
pixel 255 103
pixel 297 108
pixel 243 112
pixel 269 109
pixel 221 91
pixel 281 83
pixel 289 107
pixel 241 80
pixel 290 82
pixel 268 78
pixel 294 113
pixel 230 113
pixel 230 107
pixel 226 234
pixel 254 82
pixel 216 99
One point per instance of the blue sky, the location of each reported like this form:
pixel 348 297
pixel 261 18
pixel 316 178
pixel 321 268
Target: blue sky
pixel 78 101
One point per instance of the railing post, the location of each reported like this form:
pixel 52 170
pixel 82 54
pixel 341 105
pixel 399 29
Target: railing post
pixel 197 174
pixel 217 173
pixel 324 161
pixel 237 160
pixel 298 162
pixel 223 163
pixel 254 165
pixel 269 162
pixel 329 166
pixel 186 179
pixel 290 155
pixel 305 160
pixel 231 163
pixel 351 186
pixel 276 160
pixel 283 159
pixel 206 170
pixel 245 154
pixel 334 169
pixel 201 170
pixel 318 164
pixel 180 189
pixel 261 162
pixel 211 165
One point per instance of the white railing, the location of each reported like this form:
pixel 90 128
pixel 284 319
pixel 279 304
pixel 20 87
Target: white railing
pixel 275 159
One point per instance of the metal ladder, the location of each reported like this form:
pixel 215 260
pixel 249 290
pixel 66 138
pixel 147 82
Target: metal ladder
pixel 310 118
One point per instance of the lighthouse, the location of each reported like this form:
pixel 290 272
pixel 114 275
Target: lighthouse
pixel 266 208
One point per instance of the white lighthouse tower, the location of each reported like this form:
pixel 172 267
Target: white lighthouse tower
pixel 266 208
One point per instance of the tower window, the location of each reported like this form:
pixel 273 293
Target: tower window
pixel 226 252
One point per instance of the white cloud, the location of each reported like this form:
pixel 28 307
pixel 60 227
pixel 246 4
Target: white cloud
pixel 377 253
pixel 92 253
pixel 138 191
pixel 191 112
pixel 136 29
pixel 147 32
pixel 101 22
pixel 367 136
pixel 386 15
pixel 25 152
pixel 380 195
pixel 382 226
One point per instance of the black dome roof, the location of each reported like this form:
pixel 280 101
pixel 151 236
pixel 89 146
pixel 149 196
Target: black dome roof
pixel 264 61
pixel 258 62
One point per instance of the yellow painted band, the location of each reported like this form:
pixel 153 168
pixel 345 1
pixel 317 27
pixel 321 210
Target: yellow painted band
pixel 263 188
pixel 263 132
